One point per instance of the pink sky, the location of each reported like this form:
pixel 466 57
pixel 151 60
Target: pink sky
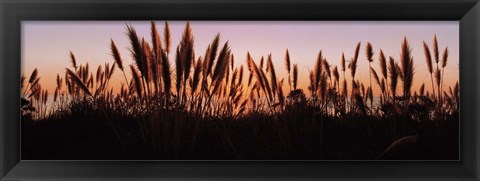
pixel 46 44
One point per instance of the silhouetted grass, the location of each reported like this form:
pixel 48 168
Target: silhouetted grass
pixel 212 113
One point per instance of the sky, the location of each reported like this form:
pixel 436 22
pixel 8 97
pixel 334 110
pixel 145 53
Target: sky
pixel 46 44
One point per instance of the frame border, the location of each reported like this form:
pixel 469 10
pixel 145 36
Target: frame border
pixel 13 12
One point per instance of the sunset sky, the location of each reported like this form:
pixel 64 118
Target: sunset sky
pixel 46 44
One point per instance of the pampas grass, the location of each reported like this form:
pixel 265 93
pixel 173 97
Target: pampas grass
pixel 137 49
pixel 383 68
pixel 136 80
pixel 435 49
pixel 167 38
pixel 196 75
pixel 211 54
pixel 336 75
pixel 221 66
pixel 375 76
pixel 76 80
pixel 445 58
pixel 428 59
pixel 394 74
pixel 369 54
pixel 422 90
pixel 318 71
pixel 116 55
pixel 406 61
pixel 273 76
pixel 117 58
pixel 166 76
pixel 178 71
pixel 73 61
pixel 295 76
pixel 186 52
pixel 156 42
pixel 353 62
pixel 444 64
pixel 213 105
pixel 287 67
pixel 33 76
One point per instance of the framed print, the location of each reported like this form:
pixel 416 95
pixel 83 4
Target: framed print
pixel 239 90
pixel 231 102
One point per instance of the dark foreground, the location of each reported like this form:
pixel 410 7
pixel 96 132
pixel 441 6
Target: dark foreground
pixel 295 134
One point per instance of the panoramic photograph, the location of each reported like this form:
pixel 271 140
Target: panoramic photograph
pixel 240 90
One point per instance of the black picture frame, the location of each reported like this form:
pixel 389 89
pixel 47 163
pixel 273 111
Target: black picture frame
pixel 12 12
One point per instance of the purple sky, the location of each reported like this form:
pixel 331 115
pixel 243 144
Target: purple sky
pixel 46 44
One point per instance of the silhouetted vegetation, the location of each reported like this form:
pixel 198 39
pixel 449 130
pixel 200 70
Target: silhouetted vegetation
pixel 203 108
